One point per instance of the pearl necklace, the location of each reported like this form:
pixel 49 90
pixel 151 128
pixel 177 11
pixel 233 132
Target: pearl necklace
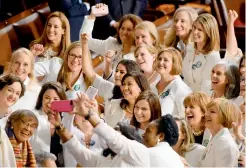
pixel 151 76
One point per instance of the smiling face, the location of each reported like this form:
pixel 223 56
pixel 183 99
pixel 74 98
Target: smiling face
pixel 218 77
pixel 193 115
pixel 143 37
pixel 144 59
pixel 54 30
pixel 10 94
pixel 182 24
pixel 130 89
pixel 212 119
pixel 24 128
pixel 119 73
pixel 199 34
pixel 142 111
pixel 150 136
pixel 242 68
pixel 126 32
pixel 242 86
pixel 21 66
pixel 49 96
pixel 75 59
pixel 164 63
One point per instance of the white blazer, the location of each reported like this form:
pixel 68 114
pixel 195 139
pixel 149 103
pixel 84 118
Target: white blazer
pixel 129 153
pixel 172 97
pixel 7 156
pixel 79 86
pixel 49 69
pixel 194 154
pixel 102 46
pixel 29 99
pixel 221 151
pixel 41 138
pixel 198 78
pixel 162 155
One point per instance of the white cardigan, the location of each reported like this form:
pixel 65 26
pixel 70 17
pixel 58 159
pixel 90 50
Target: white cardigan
pixel 29 99
pixel 162 155
pixel 102 46
pixel 172 97
pixel 7 156
pixel 199 79
pixel 129 153
pixel 221 151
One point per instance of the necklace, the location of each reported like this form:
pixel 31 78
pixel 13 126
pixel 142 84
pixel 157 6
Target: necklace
pixel 151 76
pixel 198 133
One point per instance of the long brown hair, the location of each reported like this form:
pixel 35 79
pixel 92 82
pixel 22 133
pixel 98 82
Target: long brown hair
pixel 65 38
pixel 64 75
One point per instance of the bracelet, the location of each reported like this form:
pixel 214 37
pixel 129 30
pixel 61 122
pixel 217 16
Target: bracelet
pixel 60 128
pixel 88 116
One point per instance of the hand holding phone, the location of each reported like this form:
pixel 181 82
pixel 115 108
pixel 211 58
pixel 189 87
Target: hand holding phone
pixel 99 10
pixel 91 92
pixel 62 106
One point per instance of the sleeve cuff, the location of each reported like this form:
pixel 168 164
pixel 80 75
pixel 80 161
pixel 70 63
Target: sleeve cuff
pixel 112 22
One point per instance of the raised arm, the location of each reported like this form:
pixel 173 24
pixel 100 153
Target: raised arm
pixel 86 58
pixel 231 41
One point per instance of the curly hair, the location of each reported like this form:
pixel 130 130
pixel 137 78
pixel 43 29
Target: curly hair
pixel 168 126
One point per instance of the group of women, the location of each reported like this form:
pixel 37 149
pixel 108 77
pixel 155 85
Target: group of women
pixel 172 105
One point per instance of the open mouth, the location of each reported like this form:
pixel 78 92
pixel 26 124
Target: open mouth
pixel 189 117
pixel 25 134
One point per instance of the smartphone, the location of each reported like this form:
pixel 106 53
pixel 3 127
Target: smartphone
pixel 91 92
pixel 62 106
pixel 102 11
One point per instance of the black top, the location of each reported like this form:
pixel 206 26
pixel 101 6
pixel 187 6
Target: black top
pixel 198 139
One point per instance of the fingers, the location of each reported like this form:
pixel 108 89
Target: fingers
pixel 110 54
pixel 99 5
pixel 84 36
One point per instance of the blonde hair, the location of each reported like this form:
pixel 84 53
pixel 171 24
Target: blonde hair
pixel 189 138
pixel 65 38
pixel 152 49
pixel 64 75
pixel 30 55
pixel 171 39
pixel 210 26
pixel 228 111
pixel 150 27
pixel 176 59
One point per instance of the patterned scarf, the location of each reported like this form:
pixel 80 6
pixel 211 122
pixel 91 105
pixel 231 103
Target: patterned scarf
pixel 24 157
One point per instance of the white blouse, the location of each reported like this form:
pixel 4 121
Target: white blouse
pixel 197 69
pixel 172 97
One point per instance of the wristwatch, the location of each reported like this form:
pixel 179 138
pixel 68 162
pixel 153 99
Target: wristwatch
pixel 90 113
pixel 59 127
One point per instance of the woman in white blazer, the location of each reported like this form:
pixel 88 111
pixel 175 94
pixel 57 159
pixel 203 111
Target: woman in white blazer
pixel 179 33
pixel 201 56
pixel 195 107
pixel 107 90
pixel 122 45
pixel 11 88
pixel 68 71
pixel 22 65
pixel 170 88
pixel 145 56
pixel 186 146
pixel 222 151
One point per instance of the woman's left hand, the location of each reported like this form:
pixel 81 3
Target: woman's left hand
pixel 54 118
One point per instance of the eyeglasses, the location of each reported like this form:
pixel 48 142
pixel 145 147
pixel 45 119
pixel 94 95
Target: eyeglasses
pixel 73 56
pixel 197 65
pixel 27 124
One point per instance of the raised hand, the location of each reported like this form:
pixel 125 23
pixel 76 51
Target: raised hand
pixel 99 10
pixel 37 49
pixel 232 16
pixel 109 56
pixel 54 118
pixel 84 38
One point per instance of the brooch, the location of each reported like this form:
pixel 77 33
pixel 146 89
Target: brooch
pixel 76 87
pixel 197 65
pixel 164 94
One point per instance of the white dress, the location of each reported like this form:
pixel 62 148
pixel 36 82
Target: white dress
pixel 29 99
pixel 197 69
pixel 172 97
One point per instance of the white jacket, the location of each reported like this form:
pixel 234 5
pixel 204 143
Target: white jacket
pixel 194 155
pixel 221 151
pixel 129 153
pixel 102 46
pixel 172 97
pixel 200 78
pixel 162 155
